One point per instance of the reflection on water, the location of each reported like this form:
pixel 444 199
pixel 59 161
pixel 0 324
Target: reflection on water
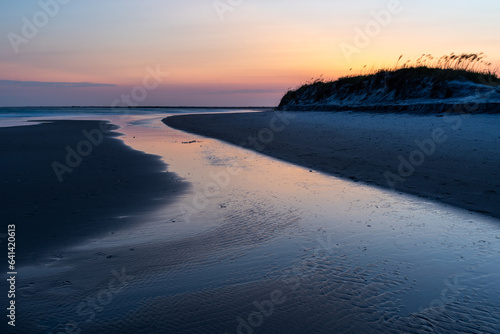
pixel 262 246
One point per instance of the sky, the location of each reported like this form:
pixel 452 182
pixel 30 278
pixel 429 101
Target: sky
pixel 219 52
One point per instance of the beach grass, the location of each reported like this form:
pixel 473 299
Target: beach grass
pixel 404 77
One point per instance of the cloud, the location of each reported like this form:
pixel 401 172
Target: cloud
pixel 14 83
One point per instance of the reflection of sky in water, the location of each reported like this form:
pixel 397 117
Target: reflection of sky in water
pixel 430 241
pixel 273 217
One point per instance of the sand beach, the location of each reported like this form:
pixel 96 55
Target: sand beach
pixel 450 158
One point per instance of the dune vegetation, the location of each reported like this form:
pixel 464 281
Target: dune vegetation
pixel 426 78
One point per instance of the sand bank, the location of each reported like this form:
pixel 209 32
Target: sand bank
pixel 100 181
pixel 453 159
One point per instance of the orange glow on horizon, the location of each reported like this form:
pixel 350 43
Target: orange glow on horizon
pixel 257 45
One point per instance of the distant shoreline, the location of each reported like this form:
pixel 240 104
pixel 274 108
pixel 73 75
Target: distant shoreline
pixel 139 107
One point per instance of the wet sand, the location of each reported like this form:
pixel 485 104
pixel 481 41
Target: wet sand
pixel 452 159
pixel 278 249
pixel 108 189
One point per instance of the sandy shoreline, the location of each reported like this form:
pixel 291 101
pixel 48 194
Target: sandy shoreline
pixel 411 108
pixel 355 258
pixel 112 181
pixel 453 159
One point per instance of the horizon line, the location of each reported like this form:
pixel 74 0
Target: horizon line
pixel 143 107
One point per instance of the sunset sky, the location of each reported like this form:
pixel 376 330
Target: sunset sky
pixel 218 53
